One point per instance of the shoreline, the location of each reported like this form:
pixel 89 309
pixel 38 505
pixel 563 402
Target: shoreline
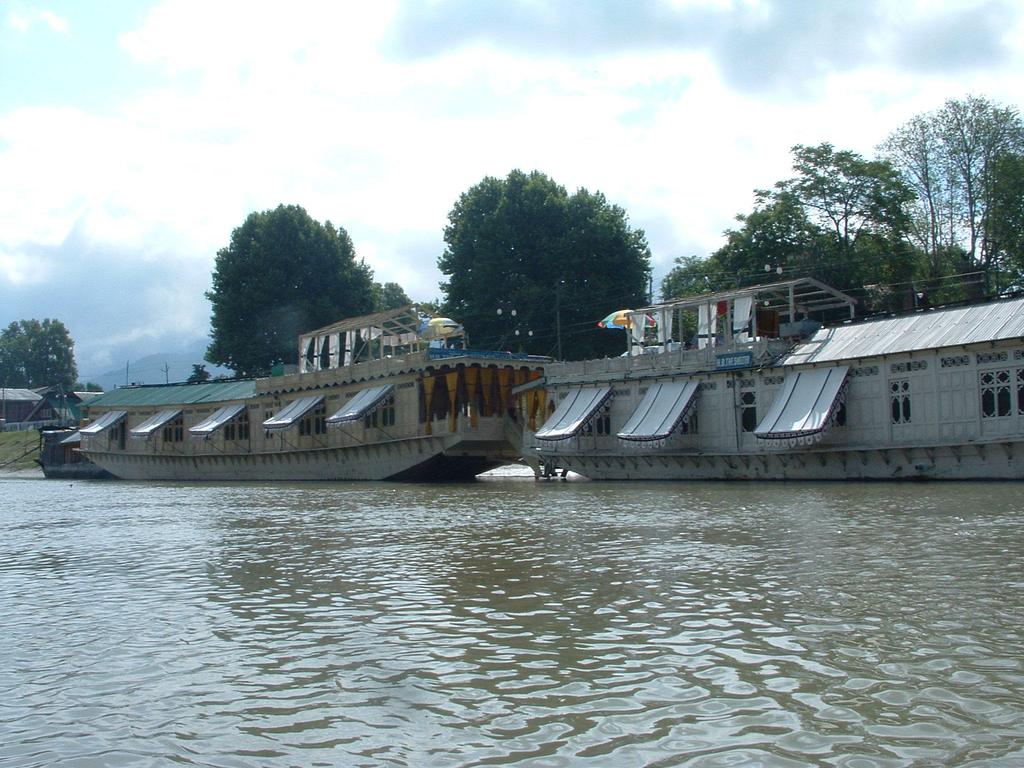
pixel 28 473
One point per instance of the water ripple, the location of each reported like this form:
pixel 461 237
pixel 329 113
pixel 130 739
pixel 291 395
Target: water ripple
pixel 511 623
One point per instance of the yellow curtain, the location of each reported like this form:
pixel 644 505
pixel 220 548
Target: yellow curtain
pixel 452 379
pixel 472 376
pixel 487 382
pixel 504 385
pixel 428 399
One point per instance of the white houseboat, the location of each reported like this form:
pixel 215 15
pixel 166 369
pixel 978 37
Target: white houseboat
pixel 763 391
pixel 384 396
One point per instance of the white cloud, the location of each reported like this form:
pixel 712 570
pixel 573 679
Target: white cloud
pixel 19 22
pixel 54 22
pixel 22 21
pixel 251 105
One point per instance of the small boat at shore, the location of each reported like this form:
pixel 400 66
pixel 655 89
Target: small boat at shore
pixel 779 382
pixel 390 396
pixel 60 457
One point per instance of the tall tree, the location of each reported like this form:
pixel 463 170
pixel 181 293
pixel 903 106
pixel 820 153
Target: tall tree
pixel 948 157
pixel 777 236
pixel 389 296
pixel 975 132
pixel 691 276
pixel 848 195
pixel 282 274
pixel 915 151
pixel 1006 217
pixel 561 262
pixel 841 219
pixel 37 354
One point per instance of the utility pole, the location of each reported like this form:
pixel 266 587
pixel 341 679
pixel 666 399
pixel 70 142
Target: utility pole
pixel 166 369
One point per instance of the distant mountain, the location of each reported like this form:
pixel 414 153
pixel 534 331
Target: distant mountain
pixel 159 368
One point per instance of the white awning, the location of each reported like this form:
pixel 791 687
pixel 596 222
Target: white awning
pixel 806 405
pixel 361 404
pixel 292 412
pixel 216 420
pixel 103 423
pixel 153 423
pixel 663 408
pixel 573 412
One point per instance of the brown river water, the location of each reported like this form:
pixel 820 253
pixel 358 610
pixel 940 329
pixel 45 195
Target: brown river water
pixel 511 622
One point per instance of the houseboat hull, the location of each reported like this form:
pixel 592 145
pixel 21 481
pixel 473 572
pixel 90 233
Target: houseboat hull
pixel 972 461
pixel 444 458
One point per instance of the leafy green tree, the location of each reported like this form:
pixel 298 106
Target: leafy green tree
pixel 859 207
pixel 1006 218
pixel 37 354
pixel 840 219
pixel 433 306
pixel 524 256
pixel 89 386
pixel 915 151
pixel 693 276
pixel 199 374
pixel 847 195
pixel 975 133
pixel 282 274
pixel 389 296
pixel 776 237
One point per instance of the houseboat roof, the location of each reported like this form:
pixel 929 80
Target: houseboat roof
pixel 12 393
pixel 804 294
pixel 392 322
pixel 176 394
pixel 999 320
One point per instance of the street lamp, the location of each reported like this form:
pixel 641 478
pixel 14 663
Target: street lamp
pixel 512 314
pixel 512 318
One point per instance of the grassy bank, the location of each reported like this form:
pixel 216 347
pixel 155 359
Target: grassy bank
pixel 18 450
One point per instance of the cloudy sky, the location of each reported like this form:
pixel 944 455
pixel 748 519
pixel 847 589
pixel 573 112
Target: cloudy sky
pixel 134 136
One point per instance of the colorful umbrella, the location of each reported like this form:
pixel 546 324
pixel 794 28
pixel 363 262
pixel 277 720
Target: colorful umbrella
pixel 623 319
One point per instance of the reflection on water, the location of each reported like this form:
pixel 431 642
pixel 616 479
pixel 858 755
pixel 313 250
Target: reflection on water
pixel 511 623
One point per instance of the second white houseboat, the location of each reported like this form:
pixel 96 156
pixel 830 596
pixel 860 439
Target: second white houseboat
pixel 764 391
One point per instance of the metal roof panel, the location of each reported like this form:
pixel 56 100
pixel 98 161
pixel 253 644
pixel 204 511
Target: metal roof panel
pixel 1000 320
pixel 176 394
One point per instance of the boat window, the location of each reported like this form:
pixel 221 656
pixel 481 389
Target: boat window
pixel 174 430
pixel 900 400
pixel 996 397
pixel 748 410
pixel 314 422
